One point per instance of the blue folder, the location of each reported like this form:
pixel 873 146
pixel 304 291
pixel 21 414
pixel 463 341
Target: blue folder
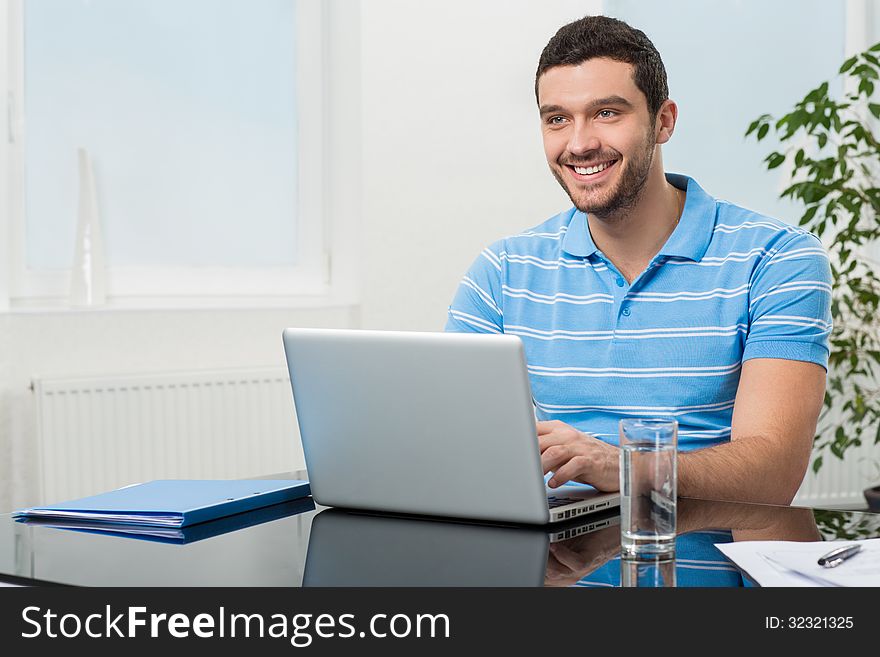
pixel 179 535
pixel 174 502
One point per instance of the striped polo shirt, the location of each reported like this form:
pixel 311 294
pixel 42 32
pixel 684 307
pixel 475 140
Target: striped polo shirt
pixel 728 285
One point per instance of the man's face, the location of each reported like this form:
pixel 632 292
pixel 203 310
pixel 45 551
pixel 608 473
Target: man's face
pixel 598 134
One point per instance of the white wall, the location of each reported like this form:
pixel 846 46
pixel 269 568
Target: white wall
pixel 434 152
pixel 452 149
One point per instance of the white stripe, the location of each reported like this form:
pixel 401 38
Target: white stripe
pixel 705 562
pixel 492 258
pixel 529 233
pixel 543 264
pixel 715 261
pixel 688 297
pixel 797 320
pixel 680 435
pixel 479 322
pixel 558 297
pixel 797 253
pixel 552 264
pixel 574 410
pixel 720 433
pixel 691 296
pixel 634 372
pixel 689 329
pixel 483 294
pixel 586 584
pixel 714 432
pixel 645 409
pixel 795 286
pixel 727 228
pixel 629 334
pixel 720 569
pixel 559 335
pixel 817 325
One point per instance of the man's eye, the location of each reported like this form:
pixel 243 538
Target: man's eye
pixel 556 120
pixel 607 114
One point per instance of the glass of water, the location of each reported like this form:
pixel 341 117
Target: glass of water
pixel 648 486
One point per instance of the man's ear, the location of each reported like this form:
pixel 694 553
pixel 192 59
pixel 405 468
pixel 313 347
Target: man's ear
pixel 664 126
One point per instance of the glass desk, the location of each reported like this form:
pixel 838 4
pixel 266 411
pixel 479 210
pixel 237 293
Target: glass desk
pixel 296 544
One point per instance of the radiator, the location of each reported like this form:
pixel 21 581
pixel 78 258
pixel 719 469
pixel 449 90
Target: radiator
pixel 839 483
pixel 97 434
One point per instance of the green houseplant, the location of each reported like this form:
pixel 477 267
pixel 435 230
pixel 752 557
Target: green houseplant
pixel 833 157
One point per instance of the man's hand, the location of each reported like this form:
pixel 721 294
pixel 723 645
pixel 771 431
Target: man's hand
pixel 572 560
pixel 576 456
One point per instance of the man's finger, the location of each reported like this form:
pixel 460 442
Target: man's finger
pixel 568 558
pixel 571 470
pixel 556 456
pixel 546 427
pixel 551 439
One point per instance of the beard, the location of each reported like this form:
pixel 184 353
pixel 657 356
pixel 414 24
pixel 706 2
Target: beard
pixel 616 202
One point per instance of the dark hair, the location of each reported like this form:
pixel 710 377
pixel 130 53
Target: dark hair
pixel 601 36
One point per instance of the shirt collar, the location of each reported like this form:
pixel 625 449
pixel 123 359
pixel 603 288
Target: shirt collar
pixel 691 236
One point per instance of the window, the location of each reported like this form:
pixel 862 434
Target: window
pixel 203 124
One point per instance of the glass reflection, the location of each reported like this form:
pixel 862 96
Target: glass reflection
pixel 655 572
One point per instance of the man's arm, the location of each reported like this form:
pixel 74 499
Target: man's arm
pixel 774 421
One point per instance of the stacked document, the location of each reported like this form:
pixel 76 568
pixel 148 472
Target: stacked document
pixel 790 563
pixel 173 503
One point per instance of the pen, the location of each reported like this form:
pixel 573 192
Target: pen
pixel 838 556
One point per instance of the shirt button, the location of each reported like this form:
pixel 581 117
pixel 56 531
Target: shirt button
pixel 626 311
pixel 619 282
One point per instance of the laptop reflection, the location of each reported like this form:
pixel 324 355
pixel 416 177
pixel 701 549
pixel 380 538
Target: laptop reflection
pixel 349 548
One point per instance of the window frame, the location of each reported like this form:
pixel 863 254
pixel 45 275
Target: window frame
pixel 309 282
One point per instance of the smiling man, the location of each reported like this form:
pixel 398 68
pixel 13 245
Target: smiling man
pixel 649 297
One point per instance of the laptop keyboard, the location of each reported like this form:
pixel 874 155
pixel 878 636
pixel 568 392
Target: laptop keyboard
pixel 555 502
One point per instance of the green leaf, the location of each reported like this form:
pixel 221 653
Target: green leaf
pixel 817 464
pixel 808 215
pixel 774 160
pixel 864 71
pixel 849 63
pixel 762 131
pixel 823 139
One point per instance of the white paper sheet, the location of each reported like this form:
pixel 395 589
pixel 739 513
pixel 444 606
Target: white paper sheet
pixel 790 563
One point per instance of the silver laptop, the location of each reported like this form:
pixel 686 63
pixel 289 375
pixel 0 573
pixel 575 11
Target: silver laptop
pixel 437 424
pixel 349 548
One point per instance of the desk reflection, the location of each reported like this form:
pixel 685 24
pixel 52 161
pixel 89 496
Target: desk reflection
pixel 348 548
pixel 344 548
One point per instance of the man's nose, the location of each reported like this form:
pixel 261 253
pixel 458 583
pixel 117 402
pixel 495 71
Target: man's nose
pixel 583 139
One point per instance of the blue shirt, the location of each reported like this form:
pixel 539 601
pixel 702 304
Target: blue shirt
pixel 728 285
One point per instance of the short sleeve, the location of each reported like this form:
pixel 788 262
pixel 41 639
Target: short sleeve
pixel 478 303
pixel 790 303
